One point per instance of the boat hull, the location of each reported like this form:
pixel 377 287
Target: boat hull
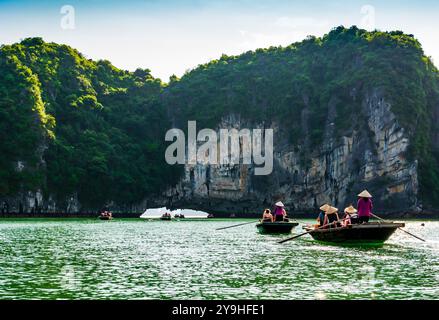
pixel 105 218
pixel 276 227
pixel 166 218
pixel 372 233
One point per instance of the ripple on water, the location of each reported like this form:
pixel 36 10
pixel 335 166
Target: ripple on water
pixel 121 259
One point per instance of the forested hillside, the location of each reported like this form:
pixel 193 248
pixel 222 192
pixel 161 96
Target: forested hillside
pixel 76 128
pixel 307 84
pixel 98 129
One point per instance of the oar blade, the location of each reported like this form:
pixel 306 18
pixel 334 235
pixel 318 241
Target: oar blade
pixel 295 237
pixel 302 234
pixel 236 225
pixel 411 234
pixel 415 236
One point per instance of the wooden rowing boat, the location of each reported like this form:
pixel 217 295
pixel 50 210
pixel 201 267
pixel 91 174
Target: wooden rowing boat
pixel 105 217
pixel 372 232
pixel 276 227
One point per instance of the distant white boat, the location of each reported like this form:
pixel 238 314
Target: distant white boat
pixel 156 213
pixel 189 213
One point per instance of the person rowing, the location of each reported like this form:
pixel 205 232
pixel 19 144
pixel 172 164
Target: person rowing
pixel 331 217
pixel 321 217
pixel 279 212
pixel 350 216
pixel 364 206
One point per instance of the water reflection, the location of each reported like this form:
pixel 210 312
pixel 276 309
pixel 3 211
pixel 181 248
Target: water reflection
pixel 132 259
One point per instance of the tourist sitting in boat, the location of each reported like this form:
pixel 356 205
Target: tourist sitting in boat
pixel 106 215
pixel 267 216
pixel 331 217
pixel 279 212
pixel 364 206
pixel 321 217
pixel 350 216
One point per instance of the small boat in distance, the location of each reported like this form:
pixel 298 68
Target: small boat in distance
pixel 276 227
pixel 157 213
pixel 166 217
pixel 365 233
pixel 106 215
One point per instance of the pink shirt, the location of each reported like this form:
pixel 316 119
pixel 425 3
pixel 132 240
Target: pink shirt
pixel 364 207
pixel 279 211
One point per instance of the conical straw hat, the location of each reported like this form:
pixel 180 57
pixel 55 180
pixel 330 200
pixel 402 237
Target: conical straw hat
pixel 350 209
pixel 324 207
pixel 279 204
pixel 365 194
pixel 331 210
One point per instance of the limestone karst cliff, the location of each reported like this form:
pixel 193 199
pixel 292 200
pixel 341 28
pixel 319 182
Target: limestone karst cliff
pixel 332 173
pixel 351 110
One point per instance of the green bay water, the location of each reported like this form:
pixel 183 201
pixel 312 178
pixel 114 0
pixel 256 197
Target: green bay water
pixel 138 259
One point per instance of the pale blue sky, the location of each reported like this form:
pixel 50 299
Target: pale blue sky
pixel 171 36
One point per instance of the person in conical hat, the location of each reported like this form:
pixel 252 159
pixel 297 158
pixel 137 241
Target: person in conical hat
pixel 350 215
pixel 365 194
pixel 279 212
pixel 331 217
pixel 350 210
pixel 331 210
pixel 364 206
pixel 321 217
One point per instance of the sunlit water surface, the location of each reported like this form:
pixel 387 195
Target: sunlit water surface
pixel 136 259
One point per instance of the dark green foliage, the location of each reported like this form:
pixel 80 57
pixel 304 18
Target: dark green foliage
pixel 24 126
pixel 107 142
pixel 297 85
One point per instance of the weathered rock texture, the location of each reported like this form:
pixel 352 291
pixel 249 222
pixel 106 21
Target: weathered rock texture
pixel 351 110
pixel 335 172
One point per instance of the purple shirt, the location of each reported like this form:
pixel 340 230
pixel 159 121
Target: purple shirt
pixel 364 207
pixel 279 211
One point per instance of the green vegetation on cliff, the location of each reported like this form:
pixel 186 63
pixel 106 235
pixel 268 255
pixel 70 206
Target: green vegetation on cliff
pixel 100 130
pixel 24 126
pixel 107 140
pixel 319 80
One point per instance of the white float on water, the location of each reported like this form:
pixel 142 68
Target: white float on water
pixel 156 213
pixel 189 213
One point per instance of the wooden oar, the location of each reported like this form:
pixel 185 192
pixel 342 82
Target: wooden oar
pixel 415 236
pixel 236 225
pixel 302 234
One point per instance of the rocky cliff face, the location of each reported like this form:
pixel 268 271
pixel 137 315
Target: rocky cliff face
pixel 350 110
pixel 334 173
